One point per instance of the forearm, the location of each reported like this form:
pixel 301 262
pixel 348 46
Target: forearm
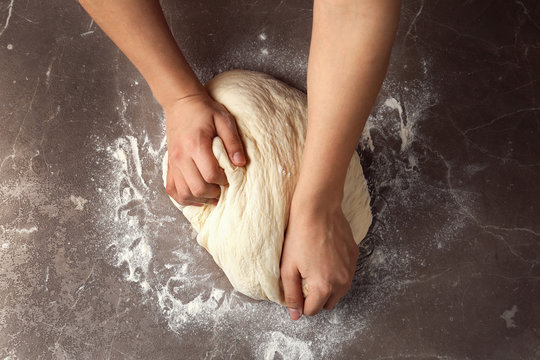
pixel 350 47
pixel 140 30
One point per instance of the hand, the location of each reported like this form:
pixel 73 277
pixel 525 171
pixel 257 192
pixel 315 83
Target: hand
pixel 194 174
pixel 319 247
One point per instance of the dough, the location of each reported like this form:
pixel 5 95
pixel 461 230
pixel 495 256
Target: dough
pixel 244 231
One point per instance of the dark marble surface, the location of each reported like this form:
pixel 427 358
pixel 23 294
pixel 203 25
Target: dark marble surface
pixel 96 262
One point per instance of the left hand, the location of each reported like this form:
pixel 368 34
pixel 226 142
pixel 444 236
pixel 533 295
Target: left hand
pixel 319 247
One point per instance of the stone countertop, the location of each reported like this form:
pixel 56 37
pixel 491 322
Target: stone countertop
pixel 95 262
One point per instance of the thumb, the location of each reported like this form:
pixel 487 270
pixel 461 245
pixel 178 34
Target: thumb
pixel 227 131
pixel 292 288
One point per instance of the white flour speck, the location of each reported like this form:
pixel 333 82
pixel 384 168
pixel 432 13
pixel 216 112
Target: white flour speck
pixel 508 317
pixel 405 127
pixel 78 201
pixel 26 230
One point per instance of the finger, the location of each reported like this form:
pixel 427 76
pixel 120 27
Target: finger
pixel 317 297
pixel 292 289
pixel 169 182
pixel 198 187
pixel 181 193
pixel 208 166
pixel 227 131
pixel 332 301
pixel 341 288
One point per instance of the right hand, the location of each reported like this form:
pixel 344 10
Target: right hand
pixel 194 174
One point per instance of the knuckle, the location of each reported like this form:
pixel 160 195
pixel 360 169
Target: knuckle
pixel 226 116
pixel 227 119
pixel 170 188
pixel 311 312
pixel 191 144
pixel 171 191
pixel 184 197
pixel 288 273
pixel 346 284
pixel 175 154
pixel 212 176
pixel 292 301
pixel 324 289
pixel 199 190
pixel 344 280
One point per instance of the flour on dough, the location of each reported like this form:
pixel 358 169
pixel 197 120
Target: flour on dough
pixel 244 231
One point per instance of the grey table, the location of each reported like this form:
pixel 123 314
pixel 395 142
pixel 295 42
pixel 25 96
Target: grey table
pixel 95 262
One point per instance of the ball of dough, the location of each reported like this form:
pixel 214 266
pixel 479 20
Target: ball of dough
pixel 244 232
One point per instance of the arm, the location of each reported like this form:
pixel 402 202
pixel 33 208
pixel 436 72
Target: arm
pixel 193 119
pixel 350 48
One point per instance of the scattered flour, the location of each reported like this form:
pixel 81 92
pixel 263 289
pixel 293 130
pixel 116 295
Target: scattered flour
pixel 405 131
pixel 187 287
pixel 26 230
pixel 156 247
pixel 366 142
pixel 508 317
pixel 285 347
pixel 78 201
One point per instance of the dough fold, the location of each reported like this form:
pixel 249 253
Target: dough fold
pixel 244 232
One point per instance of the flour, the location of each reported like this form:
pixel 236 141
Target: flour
pixel 405 128
pixel 26 230
pixel 262 53
pixel 508 317
pixel 137 257
pixel 184 284
pixel 399 152
pixel 276 343
pixel 156 247
pixel 78 201
pixel 366 142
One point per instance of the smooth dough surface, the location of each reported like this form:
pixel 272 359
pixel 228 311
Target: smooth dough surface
pixel 244 232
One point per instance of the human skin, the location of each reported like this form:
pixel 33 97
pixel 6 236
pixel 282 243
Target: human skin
pixel 193 118
pixel 350 47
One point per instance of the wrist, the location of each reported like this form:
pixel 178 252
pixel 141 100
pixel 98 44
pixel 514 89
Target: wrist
pixel 321 184
pixel 178 93
pixel 172 79
pixel 174 103
pixel 313 198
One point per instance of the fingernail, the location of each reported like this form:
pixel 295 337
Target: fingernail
pixel 238 158
pixel 295 314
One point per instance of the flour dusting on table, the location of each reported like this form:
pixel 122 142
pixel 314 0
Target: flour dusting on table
pixel 155 246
